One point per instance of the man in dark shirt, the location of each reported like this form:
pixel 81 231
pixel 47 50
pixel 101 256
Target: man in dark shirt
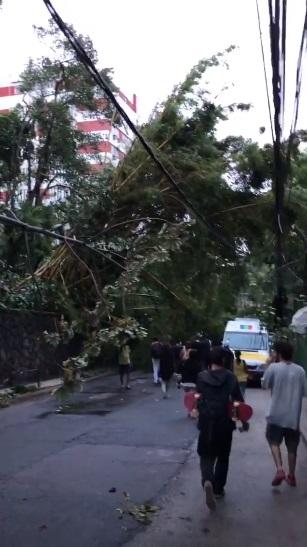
pixel 203 351
pixel 228 357
pixel 216 387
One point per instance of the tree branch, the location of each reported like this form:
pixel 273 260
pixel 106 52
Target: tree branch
pixel 87 268
pixel 48 233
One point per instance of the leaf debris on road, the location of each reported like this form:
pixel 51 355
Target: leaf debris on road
pixel 140 512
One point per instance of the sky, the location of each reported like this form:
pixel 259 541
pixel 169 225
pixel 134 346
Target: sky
pixel 153 44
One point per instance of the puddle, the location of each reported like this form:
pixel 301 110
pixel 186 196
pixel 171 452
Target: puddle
pixel 45 414
pixel 84 411
pixel 102 396
pixel 75 409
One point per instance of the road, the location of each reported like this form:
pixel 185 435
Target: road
pixel 56 470
pixel 62 476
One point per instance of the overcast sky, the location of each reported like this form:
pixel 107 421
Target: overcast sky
pixel 152 44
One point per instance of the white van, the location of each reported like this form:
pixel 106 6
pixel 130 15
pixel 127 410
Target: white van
pixel 251 337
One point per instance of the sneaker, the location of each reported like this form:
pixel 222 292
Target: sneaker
pixel 291 480
pixel 128 387
pixel 244 427
pixel 210 499
pixel 279 477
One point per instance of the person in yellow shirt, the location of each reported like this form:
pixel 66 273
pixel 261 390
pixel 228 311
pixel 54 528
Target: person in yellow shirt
pixel 124 361
pixel 240 371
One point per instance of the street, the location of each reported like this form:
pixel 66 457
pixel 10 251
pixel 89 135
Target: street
pixel 63 476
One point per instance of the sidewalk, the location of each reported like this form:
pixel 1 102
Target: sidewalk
pixel 47 386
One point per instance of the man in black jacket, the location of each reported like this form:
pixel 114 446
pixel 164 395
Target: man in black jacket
pixel 203 351
pixel 216 387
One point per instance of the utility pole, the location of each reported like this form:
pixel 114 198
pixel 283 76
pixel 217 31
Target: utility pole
pixel 278 12
pixel 280 180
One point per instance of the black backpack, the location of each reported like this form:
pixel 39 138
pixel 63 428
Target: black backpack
pixel 213 406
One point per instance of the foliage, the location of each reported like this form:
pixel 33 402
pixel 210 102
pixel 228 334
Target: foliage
pixel 42 146
pixel 147 266
pixel 142 513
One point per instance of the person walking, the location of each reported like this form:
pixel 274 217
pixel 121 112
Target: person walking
pixel 287 382
pixel 124 361
pixel 190 368
pixel 203 351
pixel 216 387
pixel 228 357
pixel 240 371
pixel 176 350
pixel 189 371
pixel 166 368
pixel 155 351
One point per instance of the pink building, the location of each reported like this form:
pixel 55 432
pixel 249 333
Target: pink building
pixel 112 142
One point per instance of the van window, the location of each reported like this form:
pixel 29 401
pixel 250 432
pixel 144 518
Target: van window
pixel 246 341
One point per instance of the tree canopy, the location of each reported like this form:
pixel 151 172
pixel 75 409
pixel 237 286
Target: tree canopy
pixel 147 261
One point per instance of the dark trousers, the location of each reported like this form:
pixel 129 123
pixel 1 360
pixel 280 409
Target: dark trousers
pixel 214 458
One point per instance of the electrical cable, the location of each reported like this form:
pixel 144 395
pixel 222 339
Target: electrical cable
pixel 275 60
pixel 283 61
pixel 265 70
pixel 103 84
pixel 299 73
pixel 15 222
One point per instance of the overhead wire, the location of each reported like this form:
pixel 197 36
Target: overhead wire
pixel 299 73
pixel 283 61
pixel 298 85
pixel 107 253
pixel 265 70
pixel 275 60
pixel 103 84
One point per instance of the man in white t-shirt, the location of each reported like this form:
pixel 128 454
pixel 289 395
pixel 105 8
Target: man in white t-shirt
pixel 287 382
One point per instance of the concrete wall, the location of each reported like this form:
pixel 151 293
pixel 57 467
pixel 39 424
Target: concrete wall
pixel 22 346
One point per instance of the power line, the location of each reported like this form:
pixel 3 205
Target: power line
pixel 299 73
pixel 265 70
pixel 103 84
pixel 276 61
pixel 15 222
pixel 283 61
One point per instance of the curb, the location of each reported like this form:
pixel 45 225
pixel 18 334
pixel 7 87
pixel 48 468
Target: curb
pixel 45 390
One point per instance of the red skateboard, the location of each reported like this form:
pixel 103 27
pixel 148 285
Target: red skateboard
pixel 240 412
pixel 237 411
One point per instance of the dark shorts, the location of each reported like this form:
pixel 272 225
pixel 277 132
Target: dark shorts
pixel 276 434
pixel 125 369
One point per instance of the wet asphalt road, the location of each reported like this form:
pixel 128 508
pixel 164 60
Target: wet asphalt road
pixel 253 514
pixel 56 472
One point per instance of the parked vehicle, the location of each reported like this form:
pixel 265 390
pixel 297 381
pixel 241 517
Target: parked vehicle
pixel 251 337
